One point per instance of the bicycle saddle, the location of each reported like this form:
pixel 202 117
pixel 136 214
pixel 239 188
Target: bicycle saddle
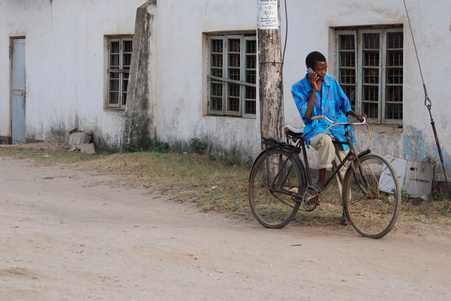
pixel 289 128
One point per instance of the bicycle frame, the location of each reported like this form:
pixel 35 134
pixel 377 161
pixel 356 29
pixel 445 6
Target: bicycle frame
pixel 351 156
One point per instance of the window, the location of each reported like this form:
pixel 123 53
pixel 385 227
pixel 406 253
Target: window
pixel 119 60
pixel 232 74
pixel 370 71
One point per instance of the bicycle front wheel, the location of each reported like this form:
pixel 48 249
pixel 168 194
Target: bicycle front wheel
pixel 275 177
pixel 372 196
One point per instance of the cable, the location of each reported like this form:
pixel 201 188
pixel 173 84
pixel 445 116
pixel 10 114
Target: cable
pixel 281 67
pixel 415 47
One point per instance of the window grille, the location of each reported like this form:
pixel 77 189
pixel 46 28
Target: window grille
pixel 120 54
pixel 232 74
pixel 370 71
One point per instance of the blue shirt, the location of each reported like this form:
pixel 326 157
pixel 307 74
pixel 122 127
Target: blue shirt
pixel 332 103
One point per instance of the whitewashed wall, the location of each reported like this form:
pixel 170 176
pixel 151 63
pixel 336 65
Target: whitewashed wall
pixel 310 29
pixel 65 64
pixel 181 92
pixel 181 81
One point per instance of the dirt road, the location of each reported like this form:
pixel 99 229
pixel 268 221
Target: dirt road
pixel 72 234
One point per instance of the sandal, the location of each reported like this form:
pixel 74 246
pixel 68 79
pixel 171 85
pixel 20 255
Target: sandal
pixel 315 187
pixel 344 220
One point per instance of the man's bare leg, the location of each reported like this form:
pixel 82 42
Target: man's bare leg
pixel 322 178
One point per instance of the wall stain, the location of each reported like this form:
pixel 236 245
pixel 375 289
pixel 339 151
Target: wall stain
pixel 417 148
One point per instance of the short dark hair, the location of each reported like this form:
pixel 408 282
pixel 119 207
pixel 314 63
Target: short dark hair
pixel 314 57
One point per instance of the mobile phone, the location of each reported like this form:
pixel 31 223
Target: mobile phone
pixel 309 71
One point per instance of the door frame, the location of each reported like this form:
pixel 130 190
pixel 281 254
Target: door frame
pixel 11 83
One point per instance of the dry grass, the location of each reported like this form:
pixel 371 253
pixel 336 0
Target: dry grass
pixel 219 185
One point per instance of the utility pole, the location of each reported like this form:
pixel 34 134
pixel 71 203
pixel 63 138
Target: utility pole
pixel 270 69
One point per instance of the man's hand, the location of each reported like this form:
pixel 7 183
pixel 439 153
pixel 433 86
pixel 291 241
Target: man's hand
pixel 360 118
pixel 313 79
pixel 357 116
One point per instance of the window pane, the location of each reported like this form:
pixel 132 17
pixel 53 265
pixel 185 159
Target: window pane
pixel 347 66
pixel 393 111
pixel 394 58
pixel 216 89
pixel 234 73
pixel 350 92
pixel 251 76
pixel 234 45
pixel 114 61
pixel 347 59
pixel 371 109
pixel 234 90
pixel 216 46
pixel 371 41
pixel 251 61
pixel 251 100
pixel 114 85
pixel 370 93
pixel 395 40
pixel 114 98
pixel 234 59
pixel 216 104
pixel 370 76
pixel 128 46
pixel 127 61
pixel 347 76
pixel 216 96
pixel 114 47
pixel 234 97
pixel 347 42
pixel 394 76
pixel 371 58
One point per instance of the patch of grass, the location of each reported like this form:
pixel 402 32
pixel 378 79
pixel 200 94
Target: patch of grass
pixel 216 184
pixel 47 157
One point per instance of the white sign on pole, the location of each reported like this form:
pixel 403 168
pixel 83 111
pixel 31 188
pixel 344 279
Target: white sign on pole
pixel 268 17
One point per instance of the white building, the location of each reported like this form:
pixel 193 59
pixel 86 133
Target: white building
pixel 75 56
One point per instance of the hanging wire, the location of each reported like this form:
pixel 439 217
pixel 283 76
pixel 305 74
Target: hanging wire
pixel 416 53
pixel 281 68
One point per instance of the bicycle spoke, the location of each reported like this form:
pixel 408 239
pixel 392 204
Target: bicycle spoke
pixel 273 177
pixel 372 209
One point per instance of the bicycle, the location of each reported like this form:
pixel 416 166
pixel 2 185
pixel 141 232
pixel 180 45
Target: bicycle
pixel 280 184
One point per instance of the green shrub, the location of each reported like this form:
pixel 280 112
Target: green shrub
pixel 196 146
pixel 161 147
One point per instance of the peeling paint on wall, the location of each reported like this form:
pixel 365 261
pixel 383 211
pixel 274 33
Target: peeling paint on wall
pixel 420 147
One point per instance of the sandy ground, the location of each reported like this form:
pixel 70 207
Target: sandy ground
pixel 72 234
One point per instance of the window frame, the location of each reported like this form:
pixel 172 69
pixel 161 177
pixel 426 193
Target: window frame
pixel 225 80
pixel 121 70
pixel 382 101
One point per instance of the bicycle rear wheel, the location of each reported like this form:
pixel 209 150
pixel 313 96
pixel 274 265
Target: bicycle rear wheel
pixel 372 196
pixel 274 176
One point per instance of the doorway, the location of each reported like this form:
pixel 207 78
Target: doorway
pixel 18 90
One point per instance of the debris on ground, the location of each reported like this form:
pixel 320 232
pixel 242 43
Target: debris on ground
pixel 54 145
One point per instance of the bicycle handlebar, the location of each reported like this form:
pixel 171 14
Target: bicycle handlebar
pixel 342 123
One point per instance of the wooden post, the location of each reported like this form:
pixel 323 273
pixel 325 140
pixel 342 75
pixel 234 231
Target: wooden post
pixel 270 70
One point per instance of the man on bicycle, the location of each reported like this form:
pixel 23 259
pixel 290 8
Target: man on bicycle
pixel 320 94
